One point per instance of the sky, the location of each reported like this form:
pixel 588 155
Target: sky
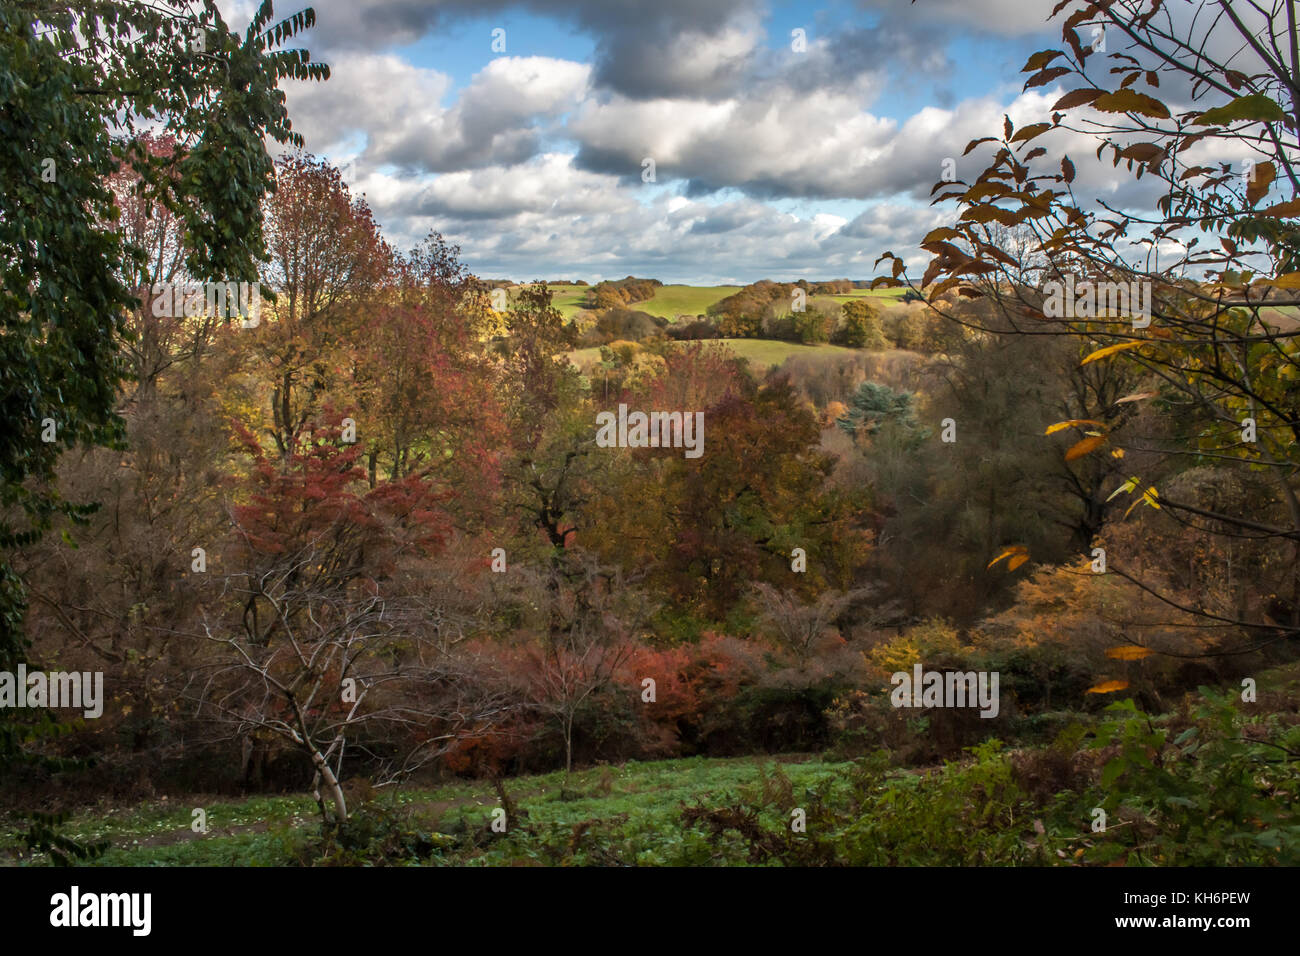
pixel 524 131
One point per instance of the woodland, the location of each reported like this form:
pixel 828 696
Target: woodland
pixel 359 564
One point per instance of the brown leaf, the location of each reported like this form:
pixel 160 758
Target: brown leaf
pixel 1026 133
pixel 1084 446
pixel 1288 209
pixel 1131 101
pixel 1043 77
pixel 1261 179
pixel 1040 60
pixel 1077 98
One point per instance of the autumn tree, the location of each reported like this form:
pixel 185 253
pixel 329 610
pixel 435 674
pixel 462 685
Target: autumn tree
pixel 1201 276
pixel 82 81
pixel 326 260
pixel 709 527
pixel 326 633
pixel 583 640
pixel 421 375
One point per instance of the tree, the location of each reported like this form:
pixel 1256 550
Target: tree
pixel 878 406
pixel 862 328
pixel 1195 317
pixel 536 370
pixel 79 79
pixel 326 259
pixel 328 634
pixel 584 644
pixel 421 375
pixel 707 528
pixel 798 626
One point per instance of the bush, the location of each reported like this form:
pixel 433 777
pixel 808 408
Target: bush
pixel 693 331
pixel 813 326
pixel 619 323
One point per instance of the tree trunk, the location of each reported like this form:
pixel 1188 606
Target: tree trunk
pixel 331 786
pixel 568 747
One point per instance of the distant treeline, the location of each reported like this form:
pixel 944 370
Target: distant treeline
pixel 616 293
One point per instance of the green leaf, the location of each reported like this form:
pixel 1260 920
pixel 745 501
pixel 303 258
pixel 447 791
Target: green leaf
pixel 1256 107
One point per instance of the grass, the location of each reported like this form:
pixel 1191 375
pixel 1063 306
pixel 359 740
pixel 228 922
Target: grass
pixel 869 294
pixel 969 811
pixel 670 301
pixel 568 298
pixel 761 353
pixel 636 807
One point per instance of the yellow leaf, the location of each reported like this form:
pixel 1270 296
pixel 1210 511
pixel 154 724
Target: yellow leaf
pixel 1017 561
pixel 1053 429
pixel 1107 687
pixel 1111 350
pixel 1129 652
pixel 1081 448
pixel 1008 552
pixel 1149 496
pixel 1129 485
pixel 1135 397
pixel 1289 281
pixel 1117 453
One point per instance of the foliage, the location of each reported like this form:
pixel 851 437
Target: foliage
pixel 862 326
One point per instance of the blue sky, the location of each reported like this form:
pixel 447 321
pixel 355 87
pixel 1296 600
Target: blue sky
pixel 769 162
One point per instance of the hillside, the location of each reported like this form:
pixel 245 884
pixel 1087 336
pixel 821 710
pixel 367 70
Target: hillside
pixel 760 353
pixel 670 301
pixel 997 805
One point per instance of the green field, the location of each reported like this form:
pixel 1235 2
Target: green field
pixel 568 298
pixel 670 301
pixel 638 803
pixel 761 353
pixel 870 293
pixel 996 804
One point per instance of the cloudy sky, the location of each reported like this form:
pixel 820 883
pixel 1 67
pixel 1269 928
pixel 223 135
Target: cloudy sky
pixel 524 131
